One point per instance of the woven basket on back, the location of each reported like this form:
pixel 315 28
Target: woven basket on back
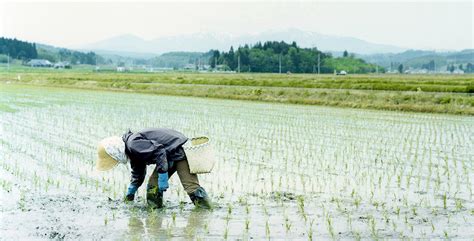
pixel 200 155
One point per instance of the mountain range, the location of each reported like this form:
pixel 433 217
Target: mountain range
pixel 203 42
pixel 417 58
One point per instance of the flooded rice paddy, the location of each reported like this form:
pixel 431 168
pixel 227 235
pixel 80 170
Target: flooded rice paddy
pixel 284 171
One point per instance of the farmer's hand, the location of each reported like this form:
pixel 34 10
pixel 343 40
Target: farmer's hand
pixel 163 181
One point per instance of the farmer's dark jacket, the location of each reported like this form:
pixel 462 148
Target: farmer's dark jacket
pixel 152 146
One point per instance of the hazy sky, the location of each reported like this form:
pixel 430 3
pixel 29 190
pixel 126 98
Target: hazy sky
pixel 421 24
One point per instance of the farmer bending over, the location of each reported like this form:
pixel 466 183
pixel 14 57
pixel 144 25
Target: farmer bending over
pixel 159 146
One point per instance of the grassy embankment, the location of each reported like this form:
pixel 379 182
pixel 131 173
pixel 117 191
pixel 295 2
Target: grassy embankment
pixel 421 93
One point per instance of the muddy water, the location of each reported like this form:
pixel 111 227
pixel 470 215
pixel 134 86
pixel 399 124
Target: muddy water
pixel 284 171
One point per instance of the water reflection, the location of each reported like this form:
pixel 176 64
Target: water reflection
pixel 197 220
pixel 161 225
pixel 135 227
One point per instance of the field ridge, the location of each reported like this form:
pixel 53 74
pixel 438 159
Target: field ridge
pixel 430 94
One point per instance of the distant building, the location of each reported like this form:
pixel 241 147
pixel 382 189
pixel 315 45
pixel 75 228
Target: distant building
pixel 392 71
pixel 124 69
pixel 158 69
pixel 342 72
pixel 190 67
pixel 221 67
pixel 417 71
pixel 40 63
pixel 62 65
pixel 204 67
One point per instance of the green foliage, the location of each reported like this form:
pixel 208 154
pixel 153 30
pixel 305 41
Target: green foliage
pixel 421 59
pixel 44 54
pixel 71 56
pixel 352 65
pixel 22 50
pixel 275 57
pixel 180 59
pixel 400 68
pixel 429 62
pixel 429 66
pixel 345 54
pixel 77 57
pixel 18 49
pixel 3 58
pixel 469 68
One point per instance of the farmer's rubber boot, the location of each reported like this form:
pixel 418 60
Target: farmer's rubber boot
pixel 200 198
pixel 154 197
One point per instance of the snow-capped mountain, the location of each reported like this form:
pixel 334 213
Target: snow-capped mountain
pixel 202 42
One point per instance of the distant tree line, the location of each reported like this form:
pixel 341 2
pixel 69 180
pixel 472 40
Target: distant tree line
pixel 76 57
pixel 71 56
pixel 181 59
pixel 25 51
pixel 273 57
pixel 429 66
pixel 18 49
pixel 399 67
pixel 468 69
pixel 268 56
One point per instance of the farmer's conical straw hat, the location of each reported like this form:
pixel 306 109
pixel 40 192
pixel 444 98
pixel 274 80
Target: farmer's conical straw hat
pixel 104 161
pixel 111 152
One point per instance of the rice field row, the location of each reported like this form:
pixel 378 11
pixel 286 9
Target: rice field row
pixel 284 171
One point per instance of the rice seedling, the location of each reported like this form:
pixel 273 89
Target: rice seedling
pixel 373 228
pixel 247 224
pixel 310 230
pixel 267 229
pixel 445 200
pixel 226 232
pixel 173 217
pixel 330 227
pixel 459 205
pixel 287 224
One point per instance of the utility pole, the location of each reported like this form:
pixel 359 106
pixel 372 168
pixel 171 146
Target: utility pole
pixel 319 64
pixel 8 61
pixel 391 64
pixel 280 64
pixel 238 62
